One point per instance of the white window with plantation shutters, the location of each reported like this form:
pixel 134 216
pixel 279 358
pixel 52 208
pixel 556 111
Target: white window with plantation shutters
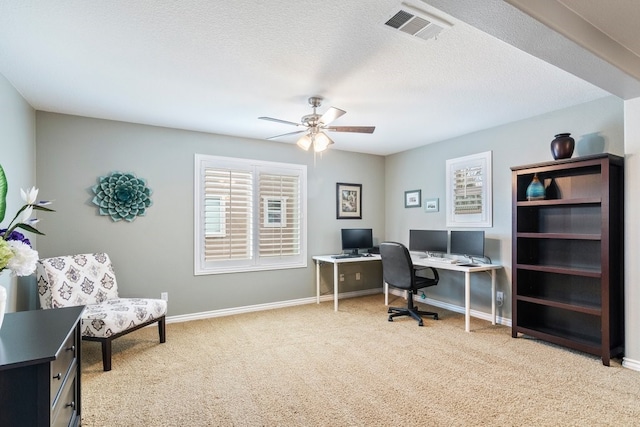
pixel 469 195
pixel 249 215
pixel 468 189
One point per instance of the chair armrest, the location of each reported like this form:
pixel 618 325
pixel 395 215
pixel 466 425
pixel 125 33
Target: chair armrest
pixel 434 271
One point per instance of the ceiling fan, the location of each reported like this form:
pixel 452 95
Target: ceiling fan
pixel 316 124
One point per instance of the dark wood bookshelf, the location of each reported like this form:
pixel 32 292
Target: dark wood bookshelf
pixel 568 254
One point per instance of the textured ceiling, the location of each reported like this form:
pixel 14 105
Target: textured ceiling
pixel 217 66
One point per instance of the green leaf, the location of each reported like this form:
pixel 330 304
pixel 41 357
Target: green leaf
pixel 29 228
pixel 42 208
pixel 3 194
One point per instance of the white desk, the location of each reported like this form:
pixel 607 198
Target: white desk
pixel 418 261
pixel 467 270
pixel 319 259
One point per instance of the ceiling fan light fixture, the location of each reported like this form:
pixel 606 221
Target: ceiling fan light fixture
pixel 304 142
pixel 321 142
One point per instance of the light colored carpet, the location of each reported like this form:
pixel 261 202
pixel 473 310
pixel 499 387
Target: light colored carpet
pixel 310 366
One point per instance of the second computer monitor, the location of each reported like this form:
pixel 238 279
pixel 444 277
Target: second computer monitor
pixel 428 241
pixel 469 243
pixel 356 238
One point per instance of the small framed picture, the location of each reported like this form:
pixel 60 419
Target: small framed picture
pixel 348 201
pixel 431 205
pixel 413 199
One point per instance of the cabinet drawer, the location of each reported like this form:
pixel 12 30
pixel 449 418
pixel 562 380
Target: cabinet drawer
pixel 60 366
pixel 64 409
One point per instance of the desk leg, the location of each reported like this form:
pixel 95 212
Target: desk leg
pixel 467 301
pixel 386 293
pixel 317 282
pixel 335 286
pixel 493 297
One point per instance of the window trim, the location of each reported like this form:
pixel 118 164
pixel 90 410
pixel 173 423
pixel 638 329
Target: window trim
pixel 255 262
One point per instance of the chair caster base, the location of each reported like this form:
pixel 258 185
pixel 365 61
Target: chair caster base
pixel 415 314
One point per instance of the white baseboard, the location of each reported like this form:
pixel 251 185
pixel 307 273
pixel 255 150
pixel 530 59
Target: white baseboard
pixel 631 364
pixel 268 306
pixel 323 298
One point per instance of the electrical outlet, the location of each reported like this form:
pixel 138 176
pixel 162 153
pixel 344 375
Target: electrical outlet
pixel 164 296
pixel 342 277
pixel 499 297
pixel 357 276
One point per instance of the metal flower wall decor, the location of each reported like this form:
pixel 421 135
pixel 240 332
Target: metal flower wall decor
pixel 122 196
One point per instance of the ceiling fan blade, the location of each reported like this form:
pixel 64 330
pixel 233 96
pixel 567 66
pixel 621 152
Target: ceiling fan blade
pixel 287 134
pixel 331 114
pixel 286 122
pixel 358 129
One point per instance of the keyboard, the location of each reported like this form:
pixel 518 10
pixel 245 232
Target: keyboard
pixel 342 256
pixel 440 259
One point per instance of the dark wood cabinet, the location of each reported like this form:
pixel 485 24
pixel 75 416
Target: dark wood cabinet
pixel 40 355
pixel 568 254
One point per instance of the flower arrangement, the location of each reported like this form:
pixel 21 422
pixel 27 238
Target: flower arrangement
pixel 16 253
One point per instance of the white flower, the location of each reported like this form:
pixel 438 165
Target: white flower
pixel 24 259
pixel 26 214
pixel 30 196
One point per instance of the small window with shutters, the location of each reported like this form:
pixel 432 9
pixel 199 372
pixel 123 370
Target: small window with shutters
pixel 469 193
pixel 468 190
pixel 250 215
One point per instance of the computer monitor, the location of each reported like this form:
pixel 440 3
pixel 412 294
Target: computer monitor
pixel 428 241
pixel 468 243
pixel 356 238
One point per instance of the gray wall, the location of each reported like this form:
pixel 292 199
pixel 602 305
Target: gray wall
pixel 154 253
pixel 632 232
pixel 17 156
pixel 597 126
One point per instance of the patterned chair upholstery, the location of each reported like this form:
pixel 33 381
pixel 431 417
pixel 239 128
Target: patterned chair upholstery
pixel 89 280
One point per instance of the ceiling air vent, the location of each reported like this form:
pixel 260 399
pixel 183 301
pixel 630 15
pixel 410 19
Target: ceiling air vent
pixel 417 23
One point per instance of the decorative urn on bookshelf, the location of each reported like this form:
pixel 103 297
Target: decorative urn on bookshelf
pixel 535 190
pixel 562 146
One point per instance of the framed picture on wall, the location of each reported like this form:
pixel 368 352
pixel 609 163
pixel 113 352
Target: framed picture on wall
pixel 348 201
pixel 413 199
pixel 431 205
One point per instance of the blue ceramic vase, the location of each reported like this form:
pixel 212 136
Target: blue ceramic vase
pixel 535 190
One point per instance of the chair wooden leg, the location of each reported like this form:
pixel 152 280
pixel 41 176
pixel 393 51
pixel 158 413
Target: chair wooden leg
pixel 106 354
pixel 162 330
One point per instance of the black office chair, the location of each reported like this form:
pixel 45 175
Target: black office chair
pixel 398 271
